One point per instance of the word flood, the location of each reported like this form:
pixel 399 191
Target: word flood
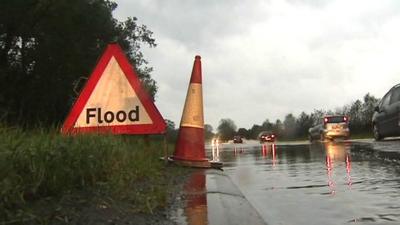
pixel 109 117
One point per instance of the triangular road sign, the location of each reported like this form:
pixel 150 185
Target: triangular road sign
pixel 113 101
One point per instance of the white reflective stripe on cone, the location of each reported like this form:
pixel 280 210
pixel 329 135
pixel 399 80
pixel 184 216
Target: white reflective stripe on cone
pixel 193 111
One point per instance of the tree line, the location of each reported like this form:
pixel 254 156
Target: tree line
pixel 296 127
pixel 48 49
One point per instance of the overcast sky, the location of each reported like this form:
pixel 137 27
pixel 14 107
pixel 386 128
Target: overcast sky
pixel 263 59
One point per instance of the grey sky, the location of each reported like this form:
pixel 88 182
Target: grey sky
pixel 265 59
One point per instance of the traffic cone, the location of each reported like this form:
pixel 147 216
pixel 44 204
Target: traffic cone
pixel 190 146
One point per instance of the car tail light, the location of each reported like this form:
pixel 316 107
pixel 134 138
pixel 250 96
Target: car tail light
pixel 325 120
pixel 345 119
pixel 272 136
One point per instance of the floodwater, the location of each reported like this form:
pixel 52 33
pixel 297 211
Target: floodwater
pixel 322 183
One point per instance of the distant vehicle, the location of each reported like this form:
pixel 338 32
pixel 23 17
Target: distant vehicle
pixel 237 140
pixel 386 118
pixel 266 136
pixel 331 127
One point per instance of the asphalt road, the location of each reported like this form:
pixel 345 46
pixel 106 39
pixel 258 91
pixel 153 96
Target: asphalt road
pixel 355 181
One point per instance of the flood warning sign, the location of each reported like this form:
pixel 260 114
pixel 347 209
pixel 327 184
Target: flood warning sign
pixel 114 101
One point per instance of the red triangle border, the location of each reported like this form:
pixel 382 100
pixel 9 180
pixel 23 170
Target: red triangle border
pixel 157 127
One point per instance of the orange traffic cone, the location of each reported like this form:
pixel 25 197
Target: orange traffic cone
pixel 190 146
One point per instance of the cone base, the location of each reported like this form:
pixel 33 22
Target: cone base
pixel 194 164
pixel 189 159
pixel 189 163
pixel 216 165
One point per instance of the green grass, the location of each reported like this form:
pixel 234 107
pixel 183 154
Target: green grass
pixel 41 165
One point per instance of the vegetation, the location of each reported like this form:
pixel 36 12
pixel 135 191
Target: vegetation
pixel 226 129
pixel 172 131
pixel 47 47
pixel 208 132
pixel 43 165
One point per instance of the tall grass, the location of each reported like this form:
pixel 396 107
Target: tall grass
pixel 40 164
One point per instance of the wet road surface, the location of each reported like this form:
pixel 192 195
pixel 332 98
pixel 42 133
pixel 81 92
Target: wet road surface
pixel 353 182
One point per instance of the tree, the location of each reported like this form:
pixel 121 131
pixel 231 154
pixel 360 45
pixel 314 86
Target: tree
pixel 355 114
pixel 243 132
pixel 368 109
pixel 317 116
pixel 46 46
pixel 226 129
pixel 303 123
pixel 255 131
pixel 267 126
pixel 278 127
pixel 208 131
pixel 172 133
pixel 170 125
pixel 289 125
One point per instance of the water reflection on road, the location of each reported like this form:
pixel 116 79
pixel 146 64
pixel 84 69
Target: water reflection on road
pixel 196 199
pixel 322 183
pixel 338 152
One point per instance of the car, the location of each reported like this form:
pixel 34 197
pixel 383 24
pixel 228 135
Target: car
pixel 237 140
pixel 330 127
pixel 266 136
pixel 386 118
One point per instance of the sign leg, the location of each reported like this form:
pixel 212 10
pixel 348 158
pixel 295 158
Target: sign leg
pixel 165 148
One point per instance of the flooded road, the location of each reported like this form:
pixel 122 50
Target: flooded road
pixel 321 183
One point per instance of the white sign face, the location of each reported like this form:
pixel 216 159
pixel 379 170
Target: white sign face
pixel 113 102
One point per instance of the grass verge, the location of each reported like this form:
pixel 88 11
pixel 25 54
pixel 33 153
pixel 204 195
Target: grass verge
pixel 43 173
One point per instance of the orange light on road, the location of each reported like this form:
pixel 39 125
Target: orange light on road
pixel 264 151
pixel 273 154
pixel 337 152
pixel 348 170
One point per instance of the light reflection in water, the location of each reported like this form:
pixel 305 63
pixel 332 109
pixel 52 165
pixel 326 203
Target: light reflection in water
pixel 348 170
pixel 336 152
pixel 265 151
pixel 273 146
pixel 215 149
pixel 237 151
pixel 340 182
pixel 196 199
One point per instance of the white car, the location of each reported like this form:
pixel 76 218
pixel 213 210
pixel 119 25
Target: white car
pixel 331 127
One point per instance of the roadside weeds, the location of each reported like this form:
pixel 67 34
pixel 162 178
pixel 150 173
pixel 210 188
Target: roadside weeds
pixel 47 178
